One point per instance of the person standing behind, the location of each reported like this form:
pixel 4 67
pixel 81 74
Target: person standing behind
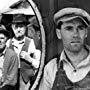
pixel 70 70
pixel 29 56
pixel 8 62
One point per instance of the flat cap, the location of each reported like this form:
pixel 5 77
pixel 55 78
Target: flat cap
pixel 70 13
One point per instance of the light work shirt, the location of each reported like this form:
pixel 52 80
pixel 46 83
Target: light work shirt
pixel 50 70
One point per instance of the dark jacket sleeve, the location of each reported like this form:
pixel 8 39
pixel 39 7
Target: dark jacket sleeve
pixel 11 77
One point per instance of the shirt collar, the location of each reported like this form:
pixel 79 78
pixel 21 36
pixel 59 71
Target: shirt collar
pixel 16 42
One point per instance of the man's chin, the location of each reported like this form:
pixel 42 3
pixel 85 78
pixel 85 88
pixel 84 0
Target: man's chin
pixel 19 37
pixel 76 49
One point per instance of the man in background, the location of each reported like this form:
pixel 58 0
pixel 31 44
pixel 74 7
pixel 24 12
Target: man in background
pixel 29 56
pixel 8 62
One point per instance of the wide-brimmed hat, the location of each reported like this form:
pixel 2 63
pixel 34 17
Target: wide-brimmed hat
pixel 20 18
pixel 4 31
pixel 67 14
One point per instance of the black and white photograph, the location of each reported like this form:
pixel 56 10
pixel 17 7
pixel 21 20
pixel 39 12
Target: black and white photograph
pixel 44 45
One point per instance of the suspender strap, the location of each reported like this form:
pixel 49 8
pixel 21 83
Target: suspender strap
pixel 59 63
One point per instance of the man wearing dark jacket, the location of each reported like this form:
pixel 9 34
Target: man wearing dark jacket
pixel 8 62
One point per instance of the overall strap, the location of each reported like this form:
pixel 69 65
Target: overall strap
pixel 57 76
pixel 61 80
pixel 59 63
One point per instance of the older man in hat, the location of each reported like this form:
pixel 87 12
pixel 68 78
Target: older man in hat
pixel 8 62
pixel 29 56
pixel 70 70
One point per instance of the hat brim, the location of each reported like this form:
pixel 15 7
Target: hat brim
pixel 65 19
pixel 69 11
pixel 26 23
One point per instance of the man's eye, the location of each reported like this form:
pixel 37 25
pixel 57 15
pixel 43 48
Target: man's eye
pixel 19 25
pixel 81 27
pixel 2 37
pixel 69 28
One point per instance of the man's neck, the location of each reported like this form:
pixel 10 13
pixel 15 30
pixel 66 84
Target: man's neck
pixel 19 38
pixel 76 58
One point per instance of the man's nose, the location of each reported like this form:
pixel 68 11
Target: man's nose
pixel 18 29
pixel 76 32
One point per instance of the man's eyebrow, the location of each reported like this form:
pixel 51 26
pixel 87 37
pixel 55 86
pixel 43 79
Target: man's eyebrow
pixel 2 37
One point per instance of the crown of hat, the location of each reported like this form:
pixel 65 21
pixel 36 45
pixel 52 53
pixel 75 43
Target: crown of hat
pixel 69 11
pixel 19 18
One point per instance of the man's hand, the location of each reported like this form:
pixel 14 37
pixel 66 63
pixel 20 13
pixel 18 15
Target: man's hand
pixel 26 56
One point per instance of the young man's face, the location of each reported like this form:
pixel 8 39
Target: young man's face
pixel 73 34
pixel 3 40
pixel 19 30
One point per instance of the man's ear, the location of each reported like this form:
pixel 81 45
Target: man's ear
pixel 58 32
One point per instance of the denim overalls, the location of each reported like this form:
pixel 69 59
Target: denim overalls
pixel 62 82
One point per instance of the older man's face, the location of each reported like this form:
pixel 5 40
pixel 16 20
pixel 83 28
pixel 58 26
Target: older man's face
pixel 19 30
pixel 3 40
pixel 73 34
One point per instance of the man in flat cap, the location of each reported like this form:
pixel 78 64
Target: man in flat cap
pixel 29 56
pixel 70 70
pixel 8 62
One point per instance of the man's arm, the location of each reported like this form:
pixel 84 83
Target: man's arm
pixel 11 77
pixel 45 83
pixel 35 58
pixel 49 75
